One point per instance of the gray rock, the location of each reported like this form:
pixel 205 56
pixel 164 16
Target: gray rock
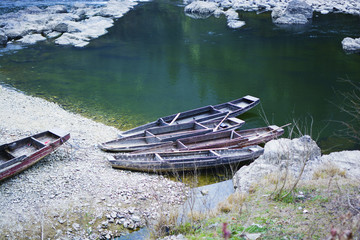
pixel 76 226
pixel 351 44
pixel 61 221
pixel 116 8
pixel 135 218
pixel 201 9
pixel 31 39
pixel 129 224
pixel 235 24
pixel 57 9
pixel 53 34
pixel 292 19
pixel 61 27
pixel 299 7
pixel 279 154
pixel 104 224
pixel 113 214
pixel 345 160
pixel 296 12
pixel 33 10
pixel 3 39
pixel 291 154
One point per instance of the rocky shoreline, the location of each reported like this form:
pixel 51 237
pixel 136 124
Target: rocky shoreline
pixel 74 193
pixel 76 25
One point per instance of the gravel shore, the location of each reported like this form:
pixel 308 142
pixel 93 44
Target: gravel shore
pixel 74 193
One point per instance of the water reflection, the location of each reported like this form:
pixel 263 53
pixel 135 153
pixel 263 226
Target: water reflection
pixel 156 61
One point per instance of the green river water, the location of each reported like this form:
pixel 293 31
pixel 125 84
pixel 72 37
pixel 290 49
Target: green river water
pixel 157 61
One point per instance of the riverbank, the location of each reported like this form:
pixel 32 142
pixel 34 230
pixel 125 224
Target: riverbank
pixel 77 24
pixel 289 192
pixel 74 193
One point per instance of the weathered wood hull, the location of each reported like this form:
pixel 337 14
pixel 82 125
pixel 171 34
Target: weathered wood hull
pixel 184 161
pixel 228 109
pixel 17 156
pixel 166 134
pixel 225 139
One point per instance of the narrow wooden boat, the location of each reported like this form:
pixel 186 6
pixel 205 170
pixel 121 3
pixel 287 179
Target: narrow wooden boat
pixel 225 139
pixel 184 161
pixel 159 135
pixel 228 109
pixel 21 154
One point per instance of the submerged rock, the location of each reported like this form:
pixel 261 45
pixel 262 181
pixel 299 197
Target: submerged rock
pixel 351 44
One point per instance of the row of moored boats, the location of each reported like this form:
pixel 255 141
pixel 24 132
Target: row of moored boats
pixel 200 138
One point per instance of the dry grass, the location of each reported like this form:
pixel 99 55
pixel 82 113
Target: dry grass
pixel 317 207
pixel 329 170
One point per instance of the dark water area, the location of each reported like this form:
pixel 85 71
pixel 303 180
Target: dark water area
pixel 157 61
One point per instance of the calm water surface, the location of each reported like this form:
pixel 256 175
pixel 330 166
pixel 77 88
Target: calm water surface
pixel 156 61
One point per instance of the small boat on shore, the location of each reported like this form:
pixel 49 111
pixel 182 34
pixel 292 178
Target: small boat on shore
pixel 184 161
pixel 21 154
pixel 210 112
pixel 158 135
pixel 225 139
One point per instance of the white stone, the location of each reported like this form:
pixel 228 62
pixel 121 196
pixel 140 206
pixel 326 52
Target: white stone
pixel 201 9
pixel 351 44
pixel 291 154
pixel 236 24
pixel 31 39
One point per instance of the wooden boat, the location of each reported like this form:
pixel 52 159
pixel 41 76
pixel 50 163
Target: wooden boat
pixel 21 154
pixel 228 109
pixel 184 161
pixel 159 135
pixel 225 139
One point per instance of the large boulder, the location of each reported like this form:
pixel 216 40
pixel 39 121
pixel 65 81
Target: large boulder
pixel 348 161
pixel 299 7
pixel 285 154
pixel 201 9
pixel 351 44
pixel 296 12
pixel 61 27
pixel 279 155
pixel 116 8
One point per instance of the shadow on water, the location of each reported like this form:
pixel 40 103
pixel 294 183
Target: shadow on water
pixel 142 70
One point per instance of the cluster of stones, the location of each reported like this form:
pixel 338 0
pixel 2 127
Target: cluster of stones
pixel 129 219
pixel 75 25
pixel 284 12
